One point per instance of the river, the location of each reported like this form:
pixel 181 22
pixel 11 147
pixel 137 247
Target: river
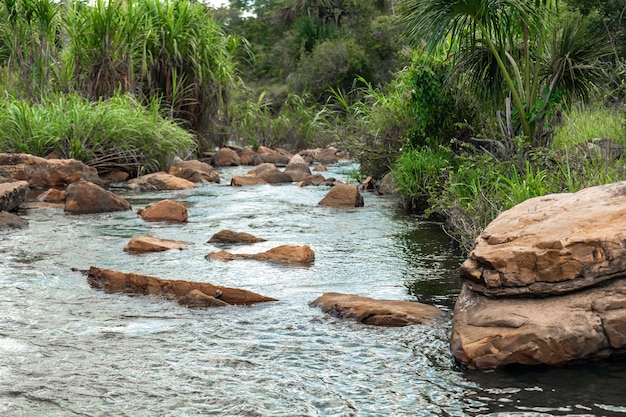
pixel 67 349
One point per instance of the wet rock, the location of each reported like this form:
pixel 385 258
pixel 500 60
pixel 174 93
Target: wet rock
pixel 274 177
pixel 84 197
pixel 281 254
pixel 320 168
pixel 229 237
pixel 194 171
pixel 316 180
pixel 41 172
pixel 390 313
pixel 226 157
pixel 297 169
pixel 343 195
pixel 10 221
pixel 146 244
pixel 243 180
pixel 13 194
pixel 328 156
pixel 546 283
pixel 198 299
pixel 52 195
pixel 262 168
pixel 246 156
pixel 165 211
pixel 278 157
pixel 160 181
pixel 187 292
pixel 387 185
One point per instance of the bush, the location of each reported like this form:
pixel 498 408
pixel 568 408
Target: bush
pixel 115 133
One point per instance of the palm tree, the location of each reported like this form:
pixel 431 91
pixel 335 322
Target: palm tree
pixel 518 48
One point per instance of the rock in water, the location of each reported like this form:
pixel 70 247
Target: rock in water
pixel 546 283
pixel 165 211
pixel 186 292
pixel 13 194
pixel 84 197
pixel 145 244
pixel 228 236
pixel 289 254
pixel 389 313
pixel 343 195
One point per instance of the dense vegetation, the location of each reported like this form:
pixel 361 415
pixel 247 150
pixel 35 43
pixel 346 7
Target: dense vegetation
pixel 473 105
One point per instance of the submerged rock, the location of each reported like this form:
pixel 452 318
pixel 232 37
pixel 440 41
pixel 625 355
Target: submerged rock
pixel 389 313
pixel 84 197
pixel 546 283
pixel 343 195
pixel 282 254
pixel 9 221
pixel 228 236
pixel 145 244
pixel 196 294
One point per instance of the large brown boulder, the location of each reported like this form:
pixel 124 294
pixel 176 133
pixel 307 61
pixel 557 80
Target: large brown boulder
pixel 13 194
pixel 289 254
pixel 145 244
pixel 343 195
pixel 226 157
pixel 84 197
pixel 52 195
pixel 546 283
pixel 196 294
pixel 194 171
pixel 275 177
pixel 160 181
pixel 165 211
pixel 41 172
pixel 246 156
pixel 262 168
pixel 229 237
pixel 390 313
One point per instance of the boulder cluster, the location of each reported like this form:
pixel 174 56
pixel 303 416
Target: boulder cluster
pixel 80 189
pixel 546 283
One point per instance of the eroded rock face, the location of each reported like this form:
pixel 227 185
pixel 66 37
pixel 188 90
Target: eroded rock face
pixel 289 254
pixel 160 181
pixel 552 244
pixel 229 237
pixel 390 313
pixel 145 244
pixel 546 283
pixel 41 172
pixel 194 171
pixel 84 197
pixel 343 195
pixel 13 194
pixel 194 294
pixel 165 211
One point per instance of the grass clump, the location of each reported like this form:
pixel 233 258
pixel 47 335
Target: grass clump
pixel 118 133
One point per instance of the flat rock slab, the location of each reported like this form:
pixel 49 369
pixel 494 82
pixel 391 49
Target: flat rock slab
pixel 389 313
pixel 189 293
pixel 552 245
pixel 13 194
pixel 146 244
pixel 288 254
pixel 229 237
pixel 494 332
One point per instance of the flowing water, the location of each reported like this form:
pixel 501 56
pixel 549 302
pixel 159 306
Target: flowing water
pixel 67 349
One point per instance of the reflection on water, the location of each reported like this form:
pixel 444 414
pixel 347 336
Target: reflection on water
pixel 67 349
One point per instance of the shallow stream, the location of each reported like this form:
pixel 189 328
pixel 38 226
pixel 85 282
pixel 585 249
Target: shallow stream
pixel 67 349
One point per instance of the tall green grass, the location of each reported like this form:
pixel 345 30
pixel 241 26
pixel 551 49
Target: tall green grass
pixel 115 133
pixel 583 123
